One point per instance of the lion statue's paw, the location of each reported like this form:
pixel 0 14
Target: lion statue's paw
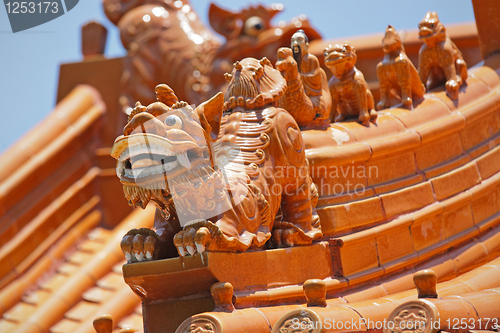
pixel 287 234
pixel 140 245
pixel 196 237
pixel 285 237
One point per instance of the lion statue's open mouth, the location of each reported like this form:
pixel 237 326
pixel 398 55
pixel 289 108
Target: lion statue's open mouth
pixel 146 166
pixel 147 159
pixel 162 150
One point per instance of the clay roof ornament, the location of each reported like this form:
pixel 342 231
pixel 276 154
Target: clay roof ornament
pixel 440 61
pixel 253 85
pixel 103 324
pixel 307 97
pixel 161 36
pixel 300 47
pixel 222 293
pixel 250 21
pixel 94 37
pixel 348 88
pixel 209 194
pixel 315 292
pixel 397 247
pixel 397 73
pixel 425 281
pixel 421 313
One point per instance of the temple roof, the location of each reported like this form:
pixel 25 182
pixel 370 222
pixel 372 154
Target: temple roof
pixel 472 295
pixel 63 215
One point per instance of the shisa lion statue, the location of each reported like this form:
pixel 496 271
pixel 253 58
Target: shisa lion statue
pixel 224 170
pixel 440 60
pixel 307 97
pixel 166 42
pixel 397 73
pixel 348 87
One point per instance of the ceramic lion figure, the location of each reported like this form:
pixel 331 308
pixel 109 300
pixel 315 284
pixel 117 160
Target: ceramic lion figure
pixel 219 174
pixel 397 73
pixel 440 61
pixel 348 87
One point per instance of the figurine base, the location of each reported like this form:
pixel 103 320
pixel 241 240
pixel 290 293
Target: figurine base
pixel 181 286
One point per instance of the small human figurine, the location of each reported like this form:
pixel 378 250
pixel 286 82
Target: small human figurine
pixel 313 77
pixel 348 88
pixel 307 97
pixel 397 73
pixel 440 60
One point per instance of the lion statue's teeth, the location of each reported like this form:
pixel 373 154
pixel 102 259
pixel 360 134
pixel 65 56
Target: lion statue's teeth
pixel 184 160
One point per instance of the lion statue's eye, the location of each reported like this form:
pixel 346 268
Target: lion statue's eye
pixel 253 26
pixel 173 121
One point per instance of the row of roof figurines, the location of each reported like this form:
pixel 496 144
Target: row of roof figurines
pixel 219 181
pixel 347 94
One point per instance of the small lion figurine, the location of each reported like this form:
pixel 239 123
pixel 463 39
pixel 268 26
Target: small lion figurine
pixel 397 73
pixel 440 60
pixel 348 88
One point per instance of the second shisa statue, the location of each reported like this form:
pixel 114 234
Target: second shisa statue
pixel 396 73
pixel 440 61
pixel 224 170
pixel 307 97
pixel 348 87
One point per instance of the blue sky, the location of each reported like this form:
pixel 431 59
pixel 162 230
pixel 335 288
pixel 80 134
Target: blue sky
pixel 29 65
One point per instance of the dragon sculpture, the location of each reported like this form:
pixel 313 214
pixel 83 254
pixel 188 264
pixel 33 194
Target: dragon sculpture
pixel 167 43
pixel 439 59
pixel 348 87
pixel 397 73
pixel 228 176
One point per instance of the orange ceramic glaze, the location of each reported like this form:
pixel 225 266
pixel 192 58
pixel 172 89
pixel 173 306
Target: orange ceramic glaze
pixel 439 59
pixel 397 72
pixel 179 150
pixel 94 37
pixel 387 307
pixel 307 97
pixel 417 190
pixel 350 93
pixel 200 60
